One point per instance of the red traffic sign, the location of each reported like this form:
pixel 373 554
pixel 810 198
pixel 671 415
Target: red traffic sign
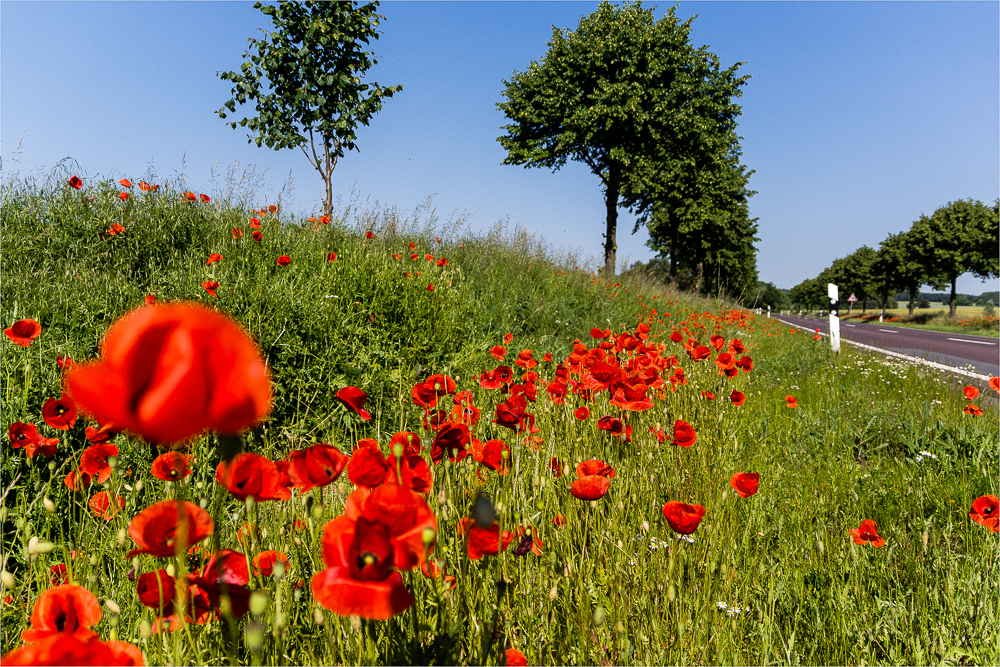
pixel 852 298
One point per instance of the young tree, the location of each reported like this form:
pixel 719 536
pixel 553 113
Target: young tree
pixel 628 96
pixel 306 78
pixel 960 237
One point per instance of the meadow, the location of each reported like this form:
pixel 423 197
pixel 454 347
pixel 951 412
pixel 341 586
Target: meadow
pixel 466 448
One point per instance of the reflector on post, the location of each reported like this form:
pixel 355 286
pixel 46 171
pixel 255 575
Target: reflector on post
pixel 834 295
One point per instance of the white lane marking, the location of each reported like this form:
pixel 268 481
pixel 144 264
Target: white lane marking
pixel 888 330
pixel 916 360
pixel 850 325
pixel 977 342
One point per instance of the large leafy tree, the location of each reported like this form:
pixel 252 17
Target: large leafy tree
pixel 306 78
pixel 628 96
pixel 961 237
pixel 897 267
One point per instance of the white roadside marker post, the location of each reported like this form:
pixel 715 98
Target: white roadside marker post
pixel 769 312
pixel 834 295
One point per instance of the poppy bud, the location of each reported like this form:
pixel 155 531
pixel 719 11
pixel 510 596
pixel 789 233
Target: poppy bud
pixel 8 580
pixel 145 629
pixel 279 570
pixel 249 502
pixel 553 594
pixel 428 536
pixel 36 546
pixel 258 603
pixel 671 593
pixel 644 526
pixel 49 506
pixel 203 503
pixel 139 485
pixel 94 561
pixel 112 606
pixel 318 616
pixel 600 616
pixel 254 634
pixel 122 534
pixel 171 570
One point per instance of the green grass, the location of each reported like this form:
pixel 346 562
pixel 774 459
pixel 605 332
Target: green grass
pixel 615 585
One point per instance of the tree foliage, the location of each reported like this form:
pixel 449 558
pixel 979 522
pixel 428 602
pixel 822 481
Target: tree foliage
pixel 631 98
pixel 962 236
pixel 306 78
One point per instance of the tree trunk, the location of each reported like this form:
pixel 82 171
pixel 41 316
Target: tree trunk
pixel 953 304
pixel 330 164
pixel 701 281
pixel 610 244
pixel 673 258
pixel 913 297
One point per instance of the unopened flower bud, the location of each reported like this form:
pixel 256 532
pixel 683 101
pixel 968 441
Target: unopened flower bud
pixel 600 616
pixel 254 635
pixel 8 580
pixel 145 629
pixel 112 462
pixel 397 450
pixel 428 536
pixel 112 606
pixel 644 526
pixel 171 570
pixel 203 503
pixel 49 506
pixel 40 547
pixel 318 616
pixel 553 593
pixel 139 485
pixel 258 602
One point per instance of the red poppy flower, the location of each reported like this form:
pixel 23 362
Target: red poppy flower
pixel 23 332
pixel 236 232
pixel 171 466
pixel 613 424
pixel 973 410
pixel 507 338
pixel 284 260
pixel 190 196
pixel 725 361
pixel 106 506
pixel 514 658
pixel 745 363
pixel 367 467
pixel 429 257
pixel 633 399
pixel 58 574
pixel 21 434
pixel 791 402
pixel 65 649
pixel 441 262
pixel 331 256
pixel 155 529
pixel 76 182
pixel 210 287
pixel 254 223
pixel 431 570
pixel 416 475
pixel 64 363
pixel 60 413
pixel 94 461
pixel 498 352
pixel 590 487
pixel 708 395
pixel 867 532
pixel 150 299
pixel 995 384
pixel 144 186
pixel 559 520
pixel 67 610
pixel 985 512
pixel 42 446
pixel 430 288
pixel 214 257
pixel 491 455
pixel 272 209
pixel 512 414
pixel 264 562
pixel 738 398
pixel 684 434
pixel 582 413
pixel 676 337
pixel 450 440
pixel 370 235
pixel 250 475
pixel 156 590
pixel 556 466
pixel 745 483
pixel 123 196
pixel 318 465
pixel 594 467
pixel 718 342
pixel 683 518
pixel 699 353
pixel 481 542
pixel 354 400
pixel 204 199
pixel 258 235
pixel 170 372
pixel 736 346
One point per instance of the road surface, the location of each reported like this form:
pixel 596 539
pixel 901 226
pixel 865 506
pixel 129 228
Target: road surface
pixel 950 349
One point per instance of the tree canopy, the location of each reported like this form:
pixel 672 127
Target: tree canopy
pixel 650 115
pixel 306 78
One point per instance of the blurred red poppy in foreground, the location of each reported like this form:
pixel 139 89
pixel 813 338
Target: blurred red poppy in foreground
pixel 284 260
pixel 94 461
pixel 867 532
pixel 171 466
pixel 984 512
pixel 155 529
pixel 354 399
pixel 76 182
pixel 791 402
pixel 64 610
pixel 995 384
pixel 250 475
pixel 745 483
pixel 514 658
pixel 971 393
pixel 65 649
pixel 973 410
pixel 683 518
pixel 23 332
pixel 105 506
pixel 170 372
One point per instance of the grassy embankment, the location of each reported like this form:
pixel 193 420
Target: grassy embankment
pixel 615 585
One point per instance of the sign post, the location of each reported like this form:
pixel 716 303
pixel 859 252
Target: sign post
pixel 834 295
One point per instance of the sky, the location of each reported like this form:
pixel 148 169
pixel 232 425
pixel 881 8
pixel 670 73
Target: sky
pixel 859 117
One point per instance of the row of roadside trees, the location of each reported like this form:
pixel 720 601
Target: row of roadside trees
pixel 961 237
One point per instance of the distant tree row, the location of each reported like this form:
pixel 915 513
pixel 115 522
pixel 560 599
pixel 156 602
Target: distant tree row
pixel 961 237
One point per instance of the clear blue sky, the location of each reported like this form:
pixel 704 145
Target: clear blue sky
pixel 859 116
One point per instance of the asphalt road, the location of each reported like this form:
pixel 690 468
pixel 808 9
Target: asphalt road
pixel 944 348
